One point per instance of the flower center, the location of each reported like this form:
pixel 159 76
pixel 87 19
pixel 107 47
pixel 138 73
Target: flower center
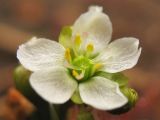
pixel 80 63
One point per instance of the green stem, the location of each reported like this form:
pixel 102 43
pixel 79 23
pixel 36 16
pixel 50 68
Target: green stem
pixel 85 113
pixel 53 113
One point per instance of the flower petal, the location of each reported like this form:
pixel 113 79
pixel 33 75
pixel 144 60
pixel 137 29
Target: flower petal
pixel 95 26
pixel 55 86
pixel 121 54
pixel 40 53
pixel 102 93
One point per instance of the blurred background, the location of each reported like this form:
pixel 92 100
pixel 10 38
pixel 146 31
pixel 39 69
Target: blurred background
pixel 22 19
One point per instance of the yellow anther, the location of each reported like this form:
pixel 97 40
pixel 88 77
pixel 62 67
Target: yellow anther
pixel 90 47
pixel 75 73
pixel 98 66
pixel 68 55
pixel 78 40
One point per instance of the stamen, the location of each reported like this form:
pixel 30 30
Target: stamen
pixel 68 55
pixel 78 40
pixel 97 66
pixel 77 75
pixel 90 47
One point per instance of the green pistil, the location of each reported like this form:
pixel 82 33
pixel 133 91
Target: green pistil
pixel 82 66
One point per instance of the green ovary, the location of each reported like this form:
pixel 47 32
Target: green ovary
pixel 81 65
pixel 82 68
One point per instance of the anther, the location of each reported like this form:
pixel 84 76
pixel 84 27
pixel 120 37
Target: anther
pixel 78 40
pixel 90 48
pixel 97 66
pixel 77 75
pixel 68 55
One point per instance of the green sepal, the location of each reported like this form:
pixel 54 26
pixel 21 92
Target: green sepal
pixel 119 78
pixel 65 36
pixel 76 98
pixel 131 94
pixel 21 79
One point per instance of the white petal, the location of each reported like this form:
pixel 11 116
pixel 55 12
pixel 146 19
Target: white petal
pixel 40 53
pixel 121 54
pixel 102 94
pixel 95 25
pixel 55 86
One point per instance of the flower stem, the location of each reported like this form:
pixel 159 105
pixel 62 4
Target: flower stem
pixel 84 114
pixel 53 113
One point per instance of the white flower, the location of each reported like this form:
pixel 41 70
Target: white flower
pixel 59 70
